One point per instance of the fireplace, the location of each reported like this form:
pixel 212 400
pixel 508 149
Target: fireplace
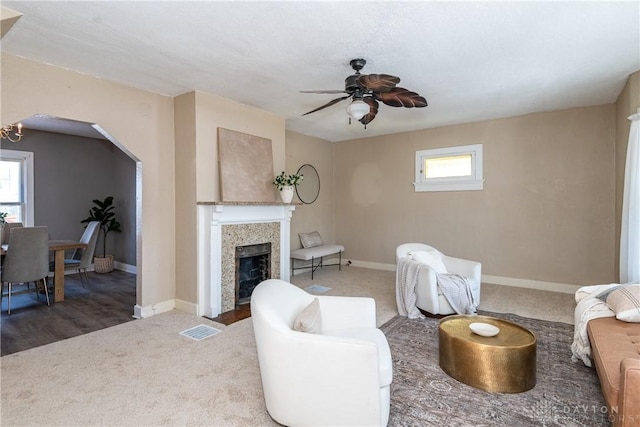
pixel 224 226
pixel 253 265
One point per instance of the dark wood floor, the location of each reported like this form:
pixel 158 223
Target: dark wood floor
pixel 108 301
pixel 233 316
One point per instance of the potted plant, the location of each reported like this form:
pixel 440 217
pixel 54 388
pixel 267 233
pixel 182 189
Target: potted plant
pixel 104 213
pixel 285 183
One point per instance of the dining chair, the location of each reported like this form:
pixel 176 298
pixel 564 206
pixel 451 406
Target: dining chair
pixel 81 258
pixel 26 261
pixel 6 230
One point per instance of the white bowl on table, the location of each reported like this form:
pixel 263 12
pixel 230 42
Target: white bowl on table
pixel 484 329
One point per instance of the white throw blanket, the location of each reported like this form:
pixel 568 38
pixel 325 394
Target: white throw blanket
pixel 457 291
pixel 406 281
pixel 455 288
pixel 588 308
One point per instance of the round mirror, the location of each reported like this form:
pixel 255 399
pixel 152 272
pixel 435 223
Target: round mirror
pixel 309 189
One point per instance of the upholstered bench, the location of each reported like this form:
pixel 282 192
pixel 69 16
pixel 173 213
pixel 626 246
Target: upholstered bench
pixel 313 253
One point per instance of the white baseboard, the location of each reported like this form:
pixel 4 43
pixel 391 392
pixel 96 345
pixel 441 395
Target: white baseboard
pixel 124 267
pixel 495 280
pixel 372 265
pixel 564 288
pixel 140 312
pixel 116 265
pixel 186 307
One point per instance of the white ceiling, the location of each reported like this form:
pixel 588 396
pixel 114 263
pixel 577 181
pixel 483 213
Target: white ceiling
pixel 471 60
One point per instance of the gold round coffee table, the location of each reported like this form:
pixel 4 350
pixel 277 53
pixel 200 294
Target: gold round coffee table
pixel 504 363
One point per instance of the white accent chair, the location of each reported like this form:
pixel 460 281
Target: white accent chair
pixel 339 377
pixel 428 296
pixel 82 258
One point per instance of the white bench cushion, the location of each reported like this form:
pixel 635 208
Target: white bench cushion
pixel 316 252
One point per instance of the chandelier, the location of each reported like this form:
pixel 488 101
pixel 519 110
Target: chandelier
pixel 7 131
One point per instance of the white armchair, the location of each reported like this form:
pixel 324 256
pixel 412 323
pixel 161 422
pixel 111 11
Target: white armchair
pixel 429 298
pixel 340 376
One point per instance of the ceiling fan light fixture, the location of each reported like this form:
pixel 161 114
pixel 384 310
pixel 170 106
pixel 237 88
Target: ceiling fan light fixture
pixel 358 109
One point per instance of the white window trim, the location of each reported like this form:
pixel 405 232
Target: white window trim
pixel 473 183
pixel 27 181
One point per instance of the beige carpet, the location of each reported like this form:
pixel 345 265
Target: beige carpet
pixel 380 285
pixel 144 373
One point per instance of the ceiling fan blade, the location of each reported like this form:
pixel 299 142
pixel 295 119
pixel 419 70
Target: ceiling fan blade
pixel 401 97
pixel 336 91
pixel 328 104
pixel 378 82
pixel 373 110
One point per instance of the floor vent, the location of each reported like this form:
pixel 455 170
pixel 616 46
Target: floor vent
pixel 200 332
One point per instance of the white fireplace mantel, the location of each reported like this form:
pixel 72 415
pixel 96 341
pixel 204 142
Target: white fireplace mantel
pixel 212 216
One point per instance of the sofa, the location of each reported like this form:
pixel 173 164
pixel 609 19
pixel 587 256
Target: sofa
pixel 607 337
pixel 615 350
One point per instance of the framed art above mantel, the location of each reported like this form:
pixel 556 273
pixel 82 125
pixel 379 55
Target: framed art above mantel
pixel 246 167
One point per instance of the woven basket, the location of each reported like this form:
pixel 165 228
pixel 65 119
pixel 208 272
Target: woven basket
pixel 103 265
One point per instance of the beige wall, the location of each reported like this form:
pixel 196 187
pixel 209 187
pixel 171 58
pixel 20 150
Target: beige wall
pixel 627 104
pixel 198 116
pixel 546 212
pixel 318 216
pixel 213 112
pixel 186 210
pixel 140 121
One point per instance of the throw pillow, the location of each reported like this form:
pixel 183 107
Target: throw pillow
pixel 430 258
pixel 624 300
pixel 310 240
pixel 592 291
pixel 309 319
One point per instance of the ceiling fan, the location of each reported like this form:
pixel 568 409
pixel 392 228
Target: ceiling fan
pixel 366 90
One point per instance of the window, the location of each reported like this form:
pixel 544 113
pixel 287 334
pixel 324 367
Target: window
pixel 16 186
pixel 449 169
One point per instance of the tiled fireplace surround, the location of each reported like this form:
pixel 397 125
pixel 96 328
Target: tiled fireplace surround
pixel 224 225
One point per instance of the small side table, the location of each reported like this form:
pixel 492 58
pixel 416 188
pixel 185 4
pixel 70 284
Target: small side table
pixel 505 363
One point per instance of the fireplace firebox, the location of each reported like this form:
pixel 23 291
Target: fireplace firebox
pixel 253 265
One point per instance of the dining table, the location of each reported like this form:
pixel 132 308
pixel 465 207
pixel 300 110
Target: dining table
pixel 58 247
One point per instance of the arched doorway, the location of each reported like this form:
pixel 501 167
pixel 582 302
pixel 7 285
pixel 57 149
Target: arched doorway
pixel 77 162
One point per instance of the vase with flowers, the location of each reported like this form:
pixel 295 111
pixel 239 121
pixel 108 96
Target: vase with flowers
pixel 285 184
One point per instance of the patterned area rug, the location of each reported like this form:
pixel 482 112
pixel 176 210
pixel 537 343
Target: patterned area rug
pixel 566 393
